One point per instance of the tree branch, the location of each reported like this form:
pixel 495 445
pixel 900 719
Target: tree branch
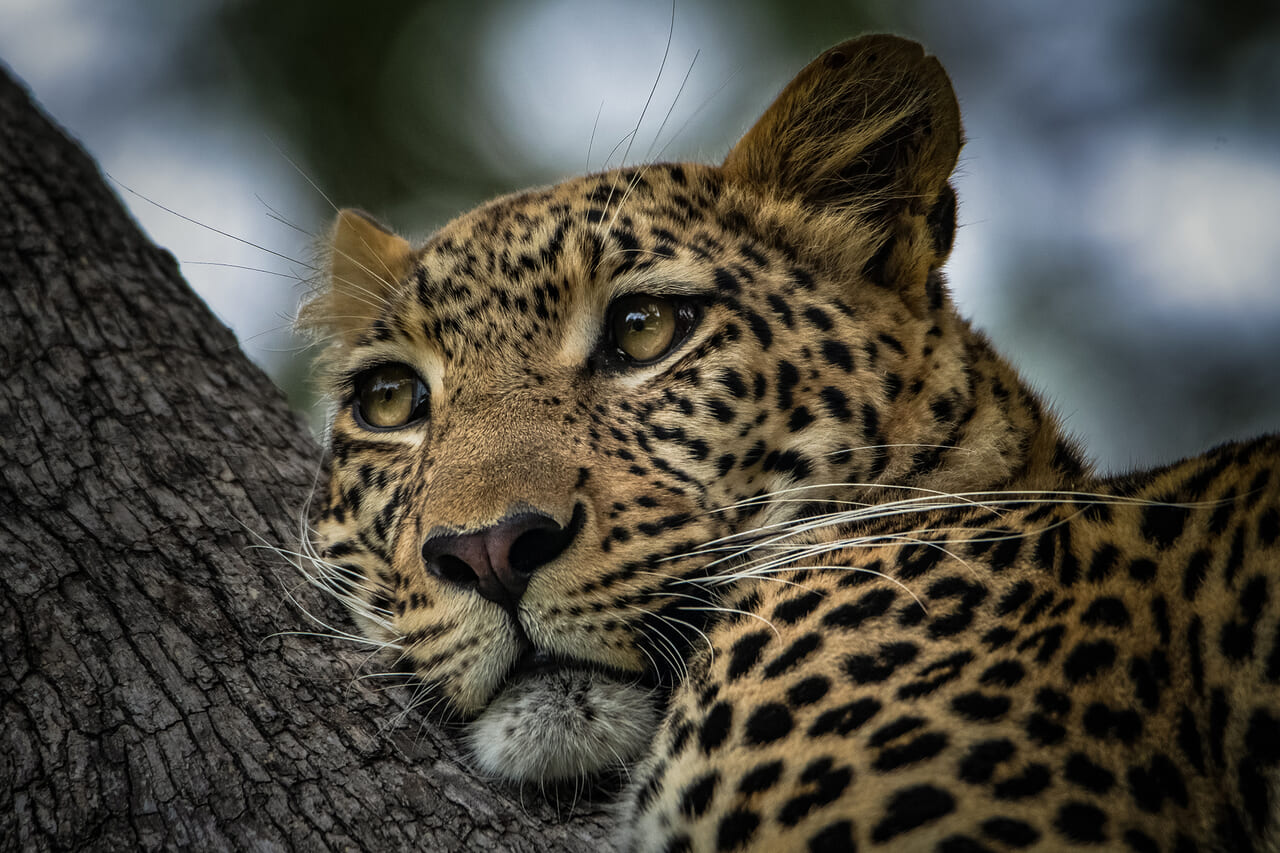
pixel 149 699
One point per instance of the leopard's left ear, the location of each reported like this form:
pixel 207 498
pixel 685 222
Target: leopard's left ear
pixel 366 264
pixel 871 127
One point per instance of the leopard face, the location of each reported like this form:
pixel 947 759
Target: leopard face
pixel 559 420
pixel 695 470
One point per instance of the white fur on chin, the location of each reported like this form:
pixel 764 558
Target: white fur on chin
pixel 564 724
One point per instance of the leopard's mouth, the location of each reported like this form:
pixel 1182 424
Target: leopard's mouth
pixel 559 718
pixel 536 662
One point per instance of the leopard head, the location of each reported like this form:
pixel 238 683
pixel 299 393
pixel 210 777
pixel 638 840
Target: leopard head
pixel 556 420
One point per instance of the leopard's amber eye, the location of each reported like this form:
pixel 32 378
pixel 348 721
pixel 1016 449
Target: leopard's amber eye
pixel 644 327
pixel 390 396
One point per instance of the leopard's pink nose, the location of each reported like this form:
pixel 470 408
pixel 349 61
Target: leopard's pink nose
pixel 498 561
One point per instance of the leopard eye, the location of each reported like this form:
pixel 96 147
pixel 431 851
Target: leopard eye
pixel 644 328
pixel 389 396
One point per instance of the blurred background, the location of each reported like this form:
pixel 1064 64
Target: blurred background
pixel 1120 188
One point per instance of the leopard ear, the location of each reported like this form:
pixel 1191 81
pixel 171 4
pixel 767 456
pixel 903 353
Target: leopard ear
pixel 366 264
pixel 870 128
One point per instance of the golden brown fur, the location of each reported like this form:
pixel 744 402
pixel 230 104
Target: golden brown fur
pixel 830 560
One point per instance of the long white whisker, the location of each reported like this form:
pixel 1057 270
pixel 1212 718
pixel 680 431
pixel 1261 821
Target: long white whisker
pixel 595 125
pixel 631 137
pixel 208 227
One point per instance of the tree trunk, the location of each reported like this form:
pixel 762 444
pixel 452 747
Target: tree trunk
pixel 149 699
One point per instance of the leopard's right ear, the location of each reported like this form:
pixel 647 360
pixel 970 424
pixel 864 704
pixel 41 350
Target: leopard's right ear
pixel 868 132
pixel 366 263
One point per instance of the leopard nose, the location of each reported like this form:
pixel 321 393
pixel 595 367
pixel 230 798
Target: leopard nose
pixel 498 561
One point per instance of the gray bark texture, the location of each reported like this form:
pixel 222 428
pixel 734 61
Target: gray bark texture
pixel 147 697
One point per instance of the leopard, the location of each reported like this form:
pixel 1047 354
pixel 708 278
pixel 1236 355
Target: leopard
pixel 695 475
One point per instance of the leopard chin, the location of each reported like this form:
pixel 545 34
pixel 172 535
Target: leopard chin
pixel 563 724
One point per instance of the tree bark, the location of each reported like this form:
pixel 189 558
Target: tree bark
pixel 149 699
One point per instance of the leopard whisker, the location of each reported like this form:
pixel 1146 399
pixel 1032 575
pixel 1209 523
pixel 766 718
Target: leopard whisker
pixel 737 612
pixel 702 604
pixel 646 160
pixel 667 646
pixel 991 501
pixel 653 662
pixel 323 580
pixel 769 576
pixel 648 155
pixel 211 228
pixel 279 217
pixel 374 300
pixel 801 552
pixel 793 553
pixel 591 140
pixel 698 109
pixel 771 497
pixel 671 654
pixel 390 279
pixel 247 268
pixel 644 110
pixel 404 680
pixel 340 584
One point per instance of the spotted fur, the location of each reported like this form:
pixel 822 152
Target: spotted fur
pixel 827 575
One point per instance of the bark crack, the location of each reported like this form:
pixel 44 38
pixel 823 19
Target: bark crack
pixel 149 696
